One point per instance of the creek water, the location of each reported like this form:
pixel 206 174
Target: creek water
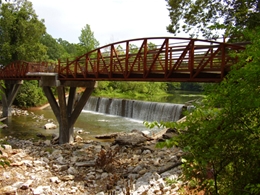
pixel 102 116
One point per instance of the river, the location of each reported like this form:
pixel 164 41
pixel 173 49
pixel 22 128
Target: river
pixel 92 123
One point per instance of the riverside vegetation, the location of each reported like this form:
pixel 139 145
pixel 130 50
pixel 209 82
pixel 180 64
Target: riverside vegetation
pixel 220 138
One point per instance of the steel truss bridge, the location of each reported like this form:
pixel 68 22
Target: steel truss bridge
pixel 163 59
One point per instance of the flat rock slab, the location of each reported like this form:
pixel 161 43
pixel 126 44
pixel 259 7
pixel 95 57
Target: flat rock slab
pixel 107 136
pixel 86 164
pixel 130 139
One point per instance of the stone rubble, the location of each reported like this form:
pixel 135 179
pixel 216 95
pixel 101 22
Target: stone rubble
pixel 131 165
pixel 50 126
pixel 90 167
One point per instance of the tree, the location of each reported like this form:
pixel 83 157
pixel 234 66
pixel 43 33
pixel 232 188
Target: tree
pixel 87 40
pixel 71 49
pixel 133 48
pixel 30 95
pixel 55 51
pixel 192 86
pixel 151 46
pixel 131 89
pixel 220 139
pixel 208 17
pixel 6 1
pixel 21 32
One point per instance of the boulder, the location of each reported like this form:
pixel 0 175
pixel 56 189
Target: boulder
pixel 2 126
pixel 78 138
pixel 107 136
pixel 130 139
pixel 50 126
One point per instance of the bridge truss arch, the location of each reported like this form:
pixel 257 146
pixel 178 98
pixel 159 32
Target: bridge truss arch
pixel 164 59
pixel 170 59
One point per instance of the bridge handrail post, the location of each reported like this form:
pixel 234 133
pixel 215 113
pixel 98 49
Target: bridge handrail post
pixel 86 65
pixel 145 57
pixel 126 58
pixel 76 67
pixel 211 52
pixel 166 55
pixel 98 62
pixel 223 59
pixel 58 66
pixel 67 67
pixel 112 49
pixel 191 57
pixel 42 67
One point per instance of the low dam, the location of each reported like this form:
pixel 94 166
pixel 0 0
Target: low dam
pixel 134 109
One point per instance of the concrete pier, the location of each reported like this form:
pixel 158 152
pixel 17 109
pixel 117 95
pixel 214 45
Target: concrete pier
pixel 9 92
pixel 66 109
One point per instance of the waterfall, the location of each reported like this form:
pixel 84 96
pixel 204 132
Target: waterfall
pixel 139 110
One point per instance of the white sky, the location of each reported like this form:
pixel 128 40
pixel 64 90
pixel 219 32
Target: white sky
pixel 110 20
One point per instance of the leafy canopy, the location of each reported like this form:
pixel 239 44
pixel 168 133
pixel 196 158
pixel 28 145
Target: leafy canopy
pixel 221 138
pixel 87 40
pixel 210 16
pixel 21 32
pixel 30 95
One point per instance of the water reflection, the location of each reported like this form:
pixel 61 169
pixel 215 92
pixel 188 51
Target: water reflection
pixel 177 97
pixel 92 124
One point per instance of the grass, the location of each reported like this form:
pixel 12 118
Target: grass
pixel 132 95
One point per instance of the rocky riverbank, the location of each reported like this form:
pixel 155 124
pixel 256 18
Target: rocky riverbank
pixel 95 168
pixel 129 165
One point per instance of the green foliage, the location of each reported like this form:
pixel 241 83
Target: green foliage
pixel 172 86
pixel 153 124
pixel 170 182
pixel 55 50
pixel 20 33
pixel 192 86
pixel 3 160
pixel 87 40
pixel 208 17
pixel 130 89
pixel 30 95
pixel 253 189
pixel 221 137
pixel 71 49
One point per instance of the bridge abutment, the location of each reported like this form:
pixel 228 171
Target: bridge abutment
pixel 9 92
pixel 66 109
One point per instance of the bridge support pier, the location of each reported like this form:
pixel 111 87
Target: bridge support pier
pixel 9 92
pixel 67 111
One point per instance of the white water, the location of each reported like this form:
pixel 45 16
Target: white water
pixel 139 110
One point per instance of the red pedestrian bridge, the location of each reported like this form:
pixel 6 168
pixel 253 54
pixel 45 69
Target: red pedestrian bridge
pixel 164 59
pixel 146 59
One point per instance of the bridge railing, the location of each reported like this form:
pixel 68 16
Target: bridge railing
pixel 145 58
pixel 43 67
pixel 17 69
pixel 155 59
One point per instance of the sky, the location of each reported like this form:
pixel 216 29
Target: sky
pixel 110 20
